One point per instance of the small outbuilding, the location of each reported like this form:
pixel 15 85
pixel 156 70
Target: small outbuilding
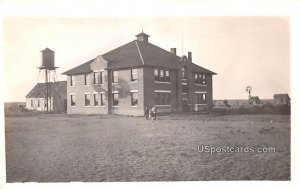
pixel 57 97
pixel 281 99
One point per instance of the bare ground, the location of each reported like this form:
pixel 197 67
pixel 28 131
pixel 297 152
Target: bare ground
pixel 63 148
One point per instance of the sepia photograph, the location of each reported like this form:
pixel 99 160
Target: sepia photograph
pixel 147 99
pixel 162 96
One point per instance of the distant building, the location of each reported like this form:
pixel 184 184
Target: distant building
pixel 254 100
pixel 57 97
pixel 281 99
pixel 136 76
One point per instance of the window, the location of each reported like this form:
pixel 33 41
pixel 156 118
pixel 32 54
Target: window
pixel 200 98
pixel 96 100
pixel 156 100
pixel 200 79
pixel 39 103
pixel 72 100
pixel 162 98
pixel 167 74
pixel 95 78
pixel 184 89
pixel 115 77
pixel 183 71
pixel 134 98
pixel 102 98
pixel 156 75
pixel 162 75
pixel 204 97
pixel 115 99
pixel 101 77
pixel 204 79
pixel 86 79
pixel 87 101
pixel 31 102
pixel 72 80
pixel 168 98
pixel 134 75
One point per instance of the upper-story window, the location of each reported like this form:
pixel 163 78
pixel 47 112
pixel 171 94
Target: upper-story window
pixel 156 77
pixel 162 75
pixel 86 79
pixel 183 71
pixel 134 75
pixel 200 79
pixel 115 78
pixel 101 77
pixel 95 77
pixel 167 75
pixel 72 80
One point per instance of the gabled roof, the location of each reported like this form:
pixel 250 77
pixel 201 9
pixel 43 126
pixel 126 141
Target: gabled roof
pixel 281 96
pixel 136 54
pixel 124 56
pixel 47 50
pixel 197 68
pixel 81 69
pixel 254 98
pixel 39 90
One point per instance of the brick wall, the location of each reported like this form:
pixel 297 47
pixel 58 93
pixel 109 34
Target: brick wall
pixel 124 87
pixel 150 85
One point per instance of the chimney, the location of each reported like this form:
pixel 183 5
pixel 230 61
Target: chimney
pixel 190 56
pixel 173 51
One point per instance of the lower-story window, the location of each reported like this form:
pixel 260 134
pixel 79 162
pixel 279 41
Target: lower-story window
pixel 134 98
pixel 72 100
pixel 162 98
pixel 102 98
pixel 87 99
pixel 96 100
pixel 200 98
pixel 115 99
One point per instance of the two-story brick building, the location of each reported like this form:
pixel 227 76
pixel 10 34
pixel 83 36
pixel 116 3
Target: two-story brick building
pixel 137 75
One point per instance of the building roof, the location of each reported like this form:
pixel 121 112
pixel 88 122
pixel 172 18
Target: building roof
pixel 47 50
pixel 254 98
pixel 81 69
pixel 281 96
pixel 142 34
pixel 136 54
pixel 39 90
pixel 197 68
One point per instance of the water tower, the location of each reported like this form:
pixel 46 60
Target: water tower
pixel 50 73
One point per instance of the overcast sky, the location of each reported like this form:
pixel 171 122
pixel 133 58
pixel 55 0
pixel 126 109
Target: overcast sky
pixel 242 50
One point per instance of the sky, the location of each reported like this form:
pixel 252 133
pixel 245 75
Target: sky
pixel 242 50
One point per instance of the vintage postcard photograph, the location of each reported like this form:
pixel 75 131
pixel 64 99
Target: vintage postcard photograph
pixel 149 99
pixel 146 99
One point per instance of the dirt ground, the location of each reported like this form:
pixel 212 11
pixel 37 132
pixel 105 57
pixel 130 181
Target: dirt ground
pixel 63 148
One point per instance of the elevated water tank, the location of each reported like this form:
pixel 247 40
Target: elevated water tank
pixel 48 59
